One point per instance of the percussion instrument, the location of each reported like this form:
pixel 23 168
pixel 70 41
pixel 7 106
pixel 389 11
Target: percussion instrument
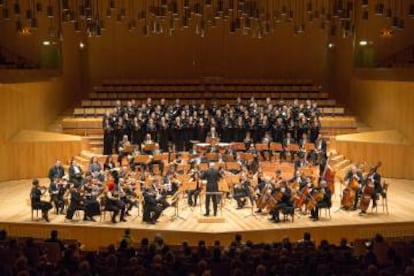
pixel 203 147
pixel 222 147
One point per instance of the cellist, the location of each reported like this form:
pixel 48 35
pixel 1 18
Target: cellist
pixel 282 195
pixel 353 180
pixel 323 202
pixel 375 178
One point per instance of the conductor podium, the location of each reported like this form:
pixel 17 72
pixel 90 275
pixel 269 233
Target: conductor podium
pixel 220 203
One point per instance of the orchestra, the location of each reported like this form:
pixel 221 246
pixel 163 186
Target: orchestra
pixel 233 137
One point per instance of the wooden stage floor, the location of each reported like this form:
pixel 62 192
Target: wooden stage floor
pixel 15 217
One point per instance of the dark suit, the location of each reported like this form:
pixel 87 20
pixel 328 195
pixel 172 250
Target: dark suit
pixel 56 172
pixel 212 176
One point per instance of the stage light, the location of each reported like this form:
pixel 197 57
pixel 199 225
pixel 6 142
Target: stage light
pixel 331 45
pixel 46 43
pixel 82 45
pixel 363 43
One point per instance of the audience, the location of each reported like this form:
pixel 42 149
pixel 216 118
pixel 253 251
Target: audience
pixel 28 256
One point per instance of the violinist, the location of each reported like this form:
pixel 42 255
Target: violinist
pixel 170 184
pixel 152 209
pixel 35 197
pixel 113 202
pixel 353 180
pixel 160 194
pixel 322 200
pixel 121 148
pixel 375 178
pixel 192 194
pixel 241 191
pixel 57 191
pixel 76 202
pixel 282 194
pixel 159 162
pixel 90 202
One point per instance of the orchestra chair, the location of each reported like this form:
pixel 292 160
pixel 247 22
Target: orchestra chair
pixel 383 198
pixel 327 211
pixel 34 209
pixel 104 210
pixel 288 211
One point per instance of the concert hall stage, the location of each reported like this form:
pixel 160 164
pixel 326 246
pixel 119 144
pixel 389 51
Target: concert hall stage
pixel 15 217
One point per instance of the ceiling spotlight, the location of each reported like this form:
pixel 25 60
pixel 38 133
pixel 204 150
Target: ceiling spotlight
pixel 331 45
pixel 363 43
pixel 46 43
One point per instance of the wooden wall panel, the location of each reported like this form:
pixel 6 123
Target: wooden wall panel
pixel 384 104
pixel 31 105
pixel 397 159
pixel 34 158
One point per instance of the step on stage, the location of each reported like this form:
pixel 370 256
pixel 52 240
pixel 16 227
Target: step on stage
pixel 15 217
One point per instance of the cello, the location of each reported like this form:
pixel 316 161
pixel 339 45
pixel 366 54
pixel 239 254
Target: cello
pixel 368 190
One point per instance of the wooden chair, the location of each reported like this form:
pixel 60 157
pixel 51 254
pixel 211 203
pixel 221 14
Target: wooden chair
pixel 383 199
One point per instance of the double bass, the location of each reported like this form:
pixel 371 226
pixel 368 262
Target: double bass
pixel 349 193
pixel 368 190
pixel 329 175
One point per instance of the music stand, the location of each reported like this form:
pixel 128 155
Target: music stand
pixel 176 211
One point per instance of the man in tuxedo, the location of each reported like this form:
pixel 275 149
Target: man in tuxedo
pixel 212 175
pixel 57 171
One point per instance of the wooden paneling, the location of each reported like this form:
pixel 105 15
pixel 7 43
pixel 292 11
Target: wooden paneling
pixel 389 147
pixel 31 153
pixel 384 104
pixel 30 105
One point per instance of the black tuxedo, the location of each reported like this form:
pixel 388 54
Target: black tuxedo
pixel 212 176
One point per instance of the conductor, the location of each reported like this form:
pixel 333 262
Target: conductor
pixel 212 176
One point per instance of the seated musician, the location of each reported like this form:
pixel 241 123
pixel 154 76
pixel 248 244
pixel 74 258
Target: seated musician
pixel 375 178
pixel 109 163
pixel 241 191
pixel 248 139
pixel 75 173
pixel 76 202
pixel 284 201
pixel 95 168
pixel 160 192
pixel 127 194
pixel 57 191
pixel 323 202
pixel 152 210
pixel 298 180
pixel 113 202
pixel 121 148
pixel 147 141
pixel 159 162
pixel 267 139
pixel 285 145
pixel 354 175
pixel 192 194
pixel 264 187
pixel 36 202
pixel 253 164
pixel 300 161
pixel 170 184
pixel 90 202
